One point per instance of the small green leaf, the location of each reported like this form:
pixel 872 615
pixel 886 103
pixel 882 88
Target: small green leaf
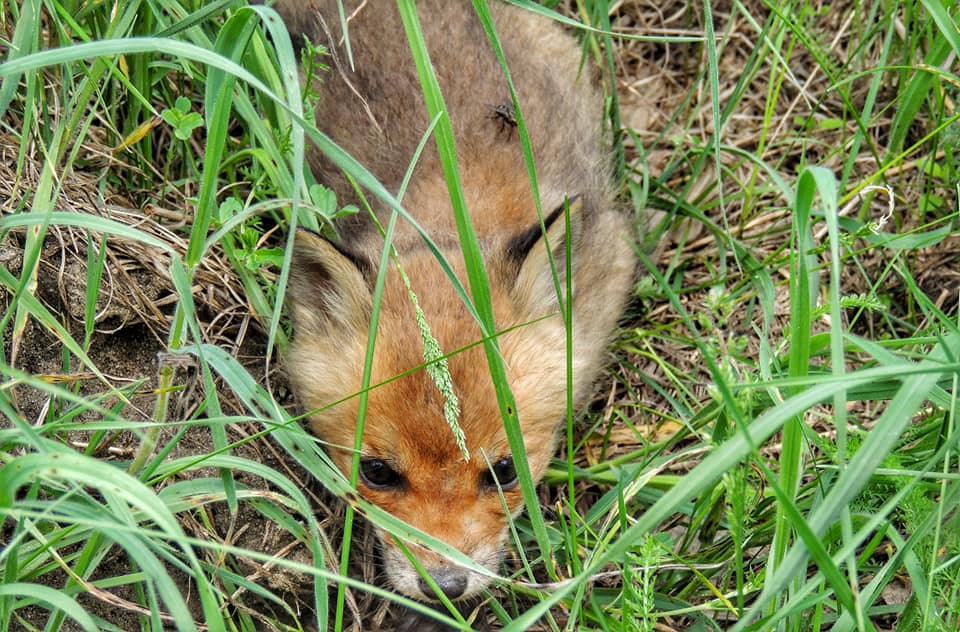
pixel 189 123
pixel 324 199
pixel 228 209
pixel 181 119
pixel 182 104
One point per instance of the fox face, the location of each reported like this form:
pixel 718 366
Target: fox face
pixel 410 463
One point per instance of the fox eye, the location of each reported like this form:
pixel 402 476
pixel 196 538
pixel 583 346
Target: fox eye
pixel 377 474
pixel 502 472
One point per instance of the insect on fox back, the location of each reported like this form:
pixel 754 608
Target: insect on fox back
pixel 410 462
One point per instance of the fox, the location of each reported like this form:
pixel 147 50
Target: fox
pixel 371 104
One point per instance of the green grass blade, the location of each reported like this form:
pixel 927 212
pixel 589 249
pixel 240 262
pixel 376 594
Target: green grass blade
pixel 50 596
pixel 476 273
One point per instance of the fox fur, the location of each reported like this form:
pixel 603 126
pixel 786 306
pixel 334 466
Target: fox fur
pixel 375 110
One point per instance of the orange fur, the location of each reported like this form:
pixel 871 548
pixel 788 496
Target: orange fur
pixel 376 113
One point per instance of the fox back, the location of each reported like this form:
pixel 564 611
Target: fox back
pixel 411 464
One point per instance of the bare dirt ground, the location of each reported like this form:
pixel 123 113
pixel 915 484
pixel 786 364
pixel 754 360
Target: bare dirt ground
pixel 653 81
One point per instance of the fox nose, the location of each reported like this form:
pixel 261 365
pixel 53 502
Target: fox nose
pixel 452 582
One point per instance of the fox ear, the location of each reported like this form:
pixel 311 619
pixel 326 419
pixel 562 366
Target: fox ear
pixel 534 286
pixel 327 288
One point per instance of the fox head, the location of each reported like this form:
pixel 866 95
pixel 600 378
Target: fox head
pixel 410 464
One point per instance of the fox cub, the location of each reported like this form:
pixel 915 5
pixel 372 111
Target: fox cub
pixel 410 462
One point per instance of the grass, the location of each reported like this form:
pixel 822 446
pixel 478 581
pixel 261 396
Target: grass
pixel 775 446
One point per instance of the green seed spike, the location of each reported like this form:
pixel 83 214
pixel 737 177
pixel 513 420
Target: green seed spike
pixel 438 370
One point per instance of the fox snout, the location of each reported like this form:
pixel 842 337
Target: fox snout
pixel 454 581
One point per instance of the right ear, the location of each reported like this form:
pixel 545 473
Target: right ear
pixel 534 287
pixel 327 288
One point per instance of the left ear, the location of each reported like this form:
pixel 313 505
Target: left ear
pixel 534 286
